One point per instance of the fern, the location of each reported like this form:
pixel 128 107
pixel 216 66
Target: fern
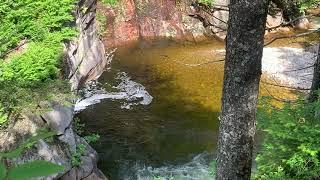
pixel 44 25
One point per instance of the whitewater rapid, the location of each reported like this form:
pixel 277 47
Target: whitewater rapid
pixel 131 92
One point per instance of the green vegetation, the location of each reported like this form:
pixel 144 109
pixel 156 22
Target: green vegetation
pixel 206 2
pixel 3 116
pixel 34 20
pixel 110 2
pixel 305 4
pixel 27 144
pixel 32 34
pixel 26 73
pixel 291 147
pixel 102 20
pixel 81 148
pixel 15 99
pixel 30 169
pixel 76 156
pixel 78 126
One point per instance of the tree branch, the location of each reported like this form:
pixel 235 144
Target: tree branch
pixel 201 64
pixel 290 22
pixel 287 87
pixel 292 36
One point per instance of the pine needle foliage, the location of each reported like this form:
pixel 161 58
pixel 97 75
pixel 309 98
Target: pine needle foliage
pixel 291 146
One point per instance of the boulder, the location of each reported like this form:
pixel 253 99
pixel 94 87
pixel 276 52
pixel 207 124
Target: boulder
pixel 59 117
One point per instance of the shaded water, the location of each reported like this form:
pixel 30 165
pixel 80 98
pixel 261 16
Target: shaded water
pixel 176 134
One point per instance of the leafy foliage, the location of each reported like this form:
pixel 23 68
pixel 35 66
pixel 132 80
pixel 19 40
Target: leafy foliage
pixel 291 148
pixel 110 2
pixel 81 148
pixel 76 156
pixel 44 25
pixel 33 169
pixel 33 20
pixel 305 4
pixel 92 138
pixel 27 144
pixel 78 126
pixel 3 170
pixel 3 116
pixel 30 169
pixel 16 98
pixel 206 2
pixel 102 20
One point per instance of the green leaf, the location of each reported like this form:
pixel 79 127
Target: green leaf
pixel 29 143
pixel 33 169
pixel 3 170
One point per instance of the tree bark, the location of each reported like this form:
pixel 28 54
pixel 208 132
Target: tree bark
pixel 313 96
pixel 242 73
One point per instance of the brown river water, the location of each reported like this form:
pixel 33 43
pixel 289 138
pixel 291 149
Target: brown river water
pixel 176 135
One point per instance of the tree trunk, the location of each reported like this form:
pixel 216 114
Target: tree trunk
pixel 242 73
pixel 316 79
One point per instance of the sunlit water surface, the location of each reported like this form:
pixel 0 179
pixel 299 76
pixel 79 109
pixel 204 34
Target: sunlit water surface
pixel 174 136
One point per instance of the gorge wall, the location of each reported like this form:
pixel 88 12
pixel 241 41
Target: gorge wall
pixel 132 20
pixel 85 57
pixel 179 20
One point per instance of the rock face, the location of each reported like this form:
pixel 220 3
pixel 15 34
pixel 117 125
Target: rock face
pixel 183 20
pixel 85 56
pixel 132 20
pixel 59 150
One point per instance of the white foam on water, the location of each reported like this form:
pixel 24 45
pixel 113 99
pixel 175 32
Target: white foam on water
pixel 131 92
pixel 197 169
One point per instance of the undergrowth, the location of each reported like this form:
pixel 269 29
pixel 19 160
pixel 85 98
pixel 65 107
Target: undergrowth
pixel 291 146
pixel 25 73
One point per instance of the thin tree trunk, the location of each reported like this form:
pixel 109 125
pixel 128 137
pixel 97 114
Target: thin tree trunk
pixel 313 96
pixel 242 73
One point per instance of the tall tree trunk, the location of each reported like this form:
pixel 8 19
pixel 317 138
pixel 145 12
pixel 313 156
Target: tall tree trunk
pixel 242 73
pixel 313 96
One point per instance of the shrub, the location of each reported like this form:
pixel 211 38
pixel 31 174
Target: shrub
pixel 3 116
pixel 305 4
pixel 291 146
pixel 45 25
pixel 32 19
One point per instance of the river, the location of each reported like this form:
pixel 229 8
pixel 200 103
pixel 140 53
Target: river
pixel 175 135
